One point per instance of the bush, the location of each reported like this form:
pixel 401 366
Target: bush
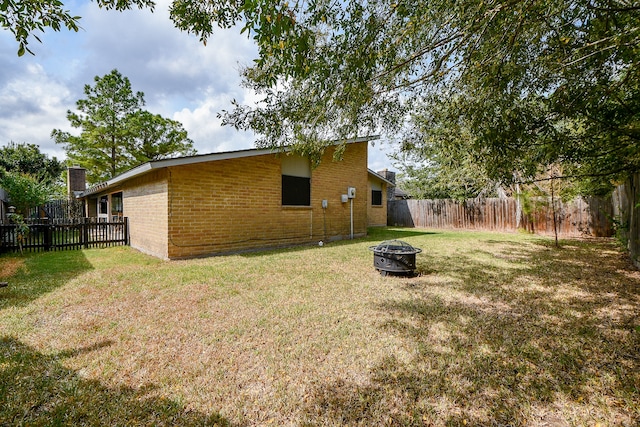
pixel 24 191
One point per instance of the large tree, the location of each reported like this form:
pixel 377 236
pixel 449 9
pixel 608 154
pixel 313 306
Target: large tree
pixel 29 176
pixel 529 83
pixel 154 137
pixel 532 83
pixel 535 82
pixel 28 159
pixel 102 116
pixel 116 134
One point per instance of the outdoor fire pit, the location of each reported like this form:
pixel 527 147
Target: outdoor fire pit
pixel 394 256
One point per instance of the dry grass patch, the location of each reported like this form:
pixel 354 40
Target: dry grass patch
pixel 496 330
pixel 10 266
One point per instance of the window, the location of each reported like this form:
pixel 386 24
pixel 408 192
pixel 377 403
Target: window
pixel 296 181
pixel 116 206
pixel 103 205
pixel 376 192
pixel 376 198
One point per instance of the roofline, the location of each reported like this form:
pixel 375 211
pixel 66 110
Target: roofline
pixel 200 158
pixel 381 178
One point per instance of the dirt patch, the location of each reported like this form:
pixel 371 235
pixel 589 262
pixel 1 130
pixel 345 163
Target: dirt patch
pixel 10 266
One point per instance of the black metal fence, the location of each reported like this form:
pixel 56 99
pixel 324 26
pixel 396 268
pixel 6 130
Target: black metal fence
pixel 68 234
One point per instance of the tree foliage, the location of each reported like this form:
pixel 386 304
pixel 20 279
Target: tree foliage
pixel 533 82
pixel 116 134
pixel 27 159
pixel 154 137
pixel 436 176
pixel 24 190
pixel 101 147
pixel 29 18
pixel 529 83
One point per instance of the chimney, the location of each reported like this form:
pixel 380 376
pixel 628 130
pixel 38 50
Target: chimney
pixel 76 181
pixel 389 176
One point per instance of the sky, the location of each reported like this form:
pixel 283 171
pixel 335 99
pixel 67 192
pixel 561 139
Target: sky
pixel 181 78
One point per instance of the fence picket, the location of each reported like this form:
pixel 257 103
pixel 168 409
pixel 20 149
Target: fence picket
pixel 65 235
pixel 590 216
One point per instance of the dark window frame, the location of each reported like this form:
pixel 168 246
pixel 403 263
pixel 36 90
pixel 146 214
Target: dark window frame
pixel 103 205
pixel 296 191
pixel 376 197
pixel 117 207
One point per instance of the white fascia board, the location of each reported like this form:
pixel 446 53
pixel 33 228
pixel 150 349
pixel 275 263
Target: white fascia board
pixel 381 178
pixel 202 158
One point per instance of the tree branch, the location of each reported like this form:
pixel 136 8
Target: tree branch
pixel 588 175
pixel 613 9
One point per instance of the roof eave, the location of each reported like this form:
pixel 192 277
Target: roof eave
pixel 202 158
pixel 380 177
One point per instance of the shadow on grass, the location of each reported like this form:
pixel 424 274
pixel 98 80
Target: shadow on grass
pixel 507 334
pixel 374 234
pixel 36 389
pixel 35 274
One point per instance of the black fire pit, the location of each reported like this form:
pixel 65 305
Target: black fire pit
pixel 394 256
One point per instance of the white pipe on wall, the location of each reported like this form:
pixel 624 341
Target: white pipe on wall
pixel 351 200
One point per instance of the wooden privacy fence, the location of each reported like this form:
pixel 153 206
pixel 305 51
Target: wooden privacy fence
pixel 56 235
pixel 583 216
pixel 626 203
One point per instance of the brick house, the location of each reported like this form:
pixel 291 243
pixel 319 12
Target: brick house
pixel 242 200
pixel 377 205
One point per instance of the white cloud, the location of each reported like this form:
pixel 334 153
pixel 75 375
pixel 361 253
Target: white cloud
pixel 176 72
pixel 160 60
pixel 31 106
pixel 379 151
pixel 206 129
pixel 180 77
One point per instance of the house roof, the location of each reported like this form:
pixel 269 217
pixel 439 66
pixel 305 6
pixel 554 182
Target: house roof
pixel 381 178
pixel 201 158
pixel 399 193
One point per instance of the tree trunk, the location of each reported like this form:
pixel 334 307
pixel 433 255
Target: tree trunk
pixel 553 210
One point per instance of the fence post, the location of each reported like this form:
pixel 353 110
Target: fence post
pixel 85 233
pixel 126 231
pixel 48 235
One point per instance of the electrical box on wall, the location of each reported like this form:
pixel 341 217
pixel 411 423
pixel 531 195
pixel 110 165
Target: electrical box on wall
pixel 351 192
pixel 324 204
pixel 345 198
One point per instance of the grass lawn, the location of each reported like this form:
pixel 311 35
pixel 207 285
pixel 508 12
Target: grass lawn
pixel 497 329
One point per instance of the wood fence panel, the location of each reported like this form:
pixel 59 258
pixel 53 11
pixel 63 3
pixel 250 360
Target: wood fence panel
pixel 65 235
pixel 626 212
pixel 584 216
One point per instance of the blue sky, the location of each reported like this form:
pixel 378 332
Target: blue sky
pixel 181 78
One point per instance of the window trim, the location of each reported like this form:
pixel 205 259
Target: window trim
pixel 373 198
pixel 103 202
pixel 295 182
pixel 290 199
